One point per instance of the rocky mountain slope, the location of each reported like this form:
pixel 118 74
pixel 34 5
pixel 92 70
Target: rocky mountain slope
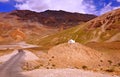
pixel 105 28
pixel 36 25
pixel 53 18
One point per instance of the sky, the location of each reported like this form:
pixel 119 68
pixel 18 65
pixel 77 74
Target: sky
pixel 97 7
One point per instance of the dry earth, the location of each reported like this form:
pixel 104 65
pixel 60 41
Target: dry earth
pixel 64 73
pixel 53 63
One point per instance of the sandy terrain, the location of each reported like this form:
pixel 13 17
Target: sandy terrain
pixel 12 68
pixel 74 56
pixel 64 73
pixel 12 63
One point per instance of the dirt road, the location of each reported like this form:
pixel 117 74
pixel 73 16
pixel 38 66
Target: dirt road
pixel 11 68
pixel 17 46
pixel 65 73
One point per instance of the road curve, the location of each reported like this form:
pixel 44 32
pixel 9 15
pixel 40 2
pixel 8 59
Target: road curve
pixel 12 67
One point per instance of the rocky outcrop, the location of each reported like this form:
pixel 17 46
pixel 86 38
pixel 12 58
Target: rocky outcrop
pixel 18 35
pixel 111 20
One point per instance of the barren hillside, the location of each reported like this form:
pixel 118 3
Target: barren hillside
pixel 104 28
pixel 36 25
pixel 53 18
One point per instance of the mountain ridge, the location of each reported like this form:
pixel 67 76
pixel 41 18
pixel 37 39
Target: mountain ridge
pixel 53 18
pixel 36 25
pixel 104 28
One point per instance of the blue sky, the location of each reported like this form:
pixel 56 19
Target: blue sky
pixel 97 7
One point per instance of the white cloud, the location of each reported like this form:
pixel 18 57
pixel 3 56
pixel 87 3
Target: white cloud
pixel 107 8
pixel 34 5
pixel 4 0
pixel 81 6
pixel 73 6
pixel 118 0
pixel 117 7
pixel 89 7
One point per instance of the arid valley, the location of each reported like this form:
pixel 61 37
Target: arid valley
pixel 59 44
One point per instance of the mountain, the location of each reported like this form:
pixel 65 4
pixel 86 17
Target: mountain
pixel 36 25
pixel 105 28
pixel 53 18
